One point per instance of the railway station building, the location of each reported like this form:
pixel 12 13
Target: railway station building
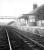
pixel 35 17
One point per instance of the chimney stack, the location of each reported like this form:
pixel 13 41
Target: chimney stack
pixel 34 6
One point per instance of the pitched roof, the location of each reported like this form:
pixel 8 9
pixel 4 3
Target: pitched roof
pixel 37 12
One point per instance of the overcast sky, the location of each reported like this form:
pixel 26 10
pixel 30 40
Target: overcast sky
pixel 17 7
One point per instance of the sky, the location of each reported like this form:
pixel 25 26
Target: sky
pixel 17 7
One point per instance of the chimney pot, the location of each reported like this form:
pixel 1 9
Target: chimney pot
pixel 34 6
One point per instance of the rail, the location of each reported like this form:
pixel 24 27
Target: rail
pixel 8 39
pixel 29 39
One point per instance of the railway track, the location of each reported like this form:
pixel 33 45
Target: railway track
pixel 3 40
pixel 32 43
pixel 6 43
pixel 16 40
